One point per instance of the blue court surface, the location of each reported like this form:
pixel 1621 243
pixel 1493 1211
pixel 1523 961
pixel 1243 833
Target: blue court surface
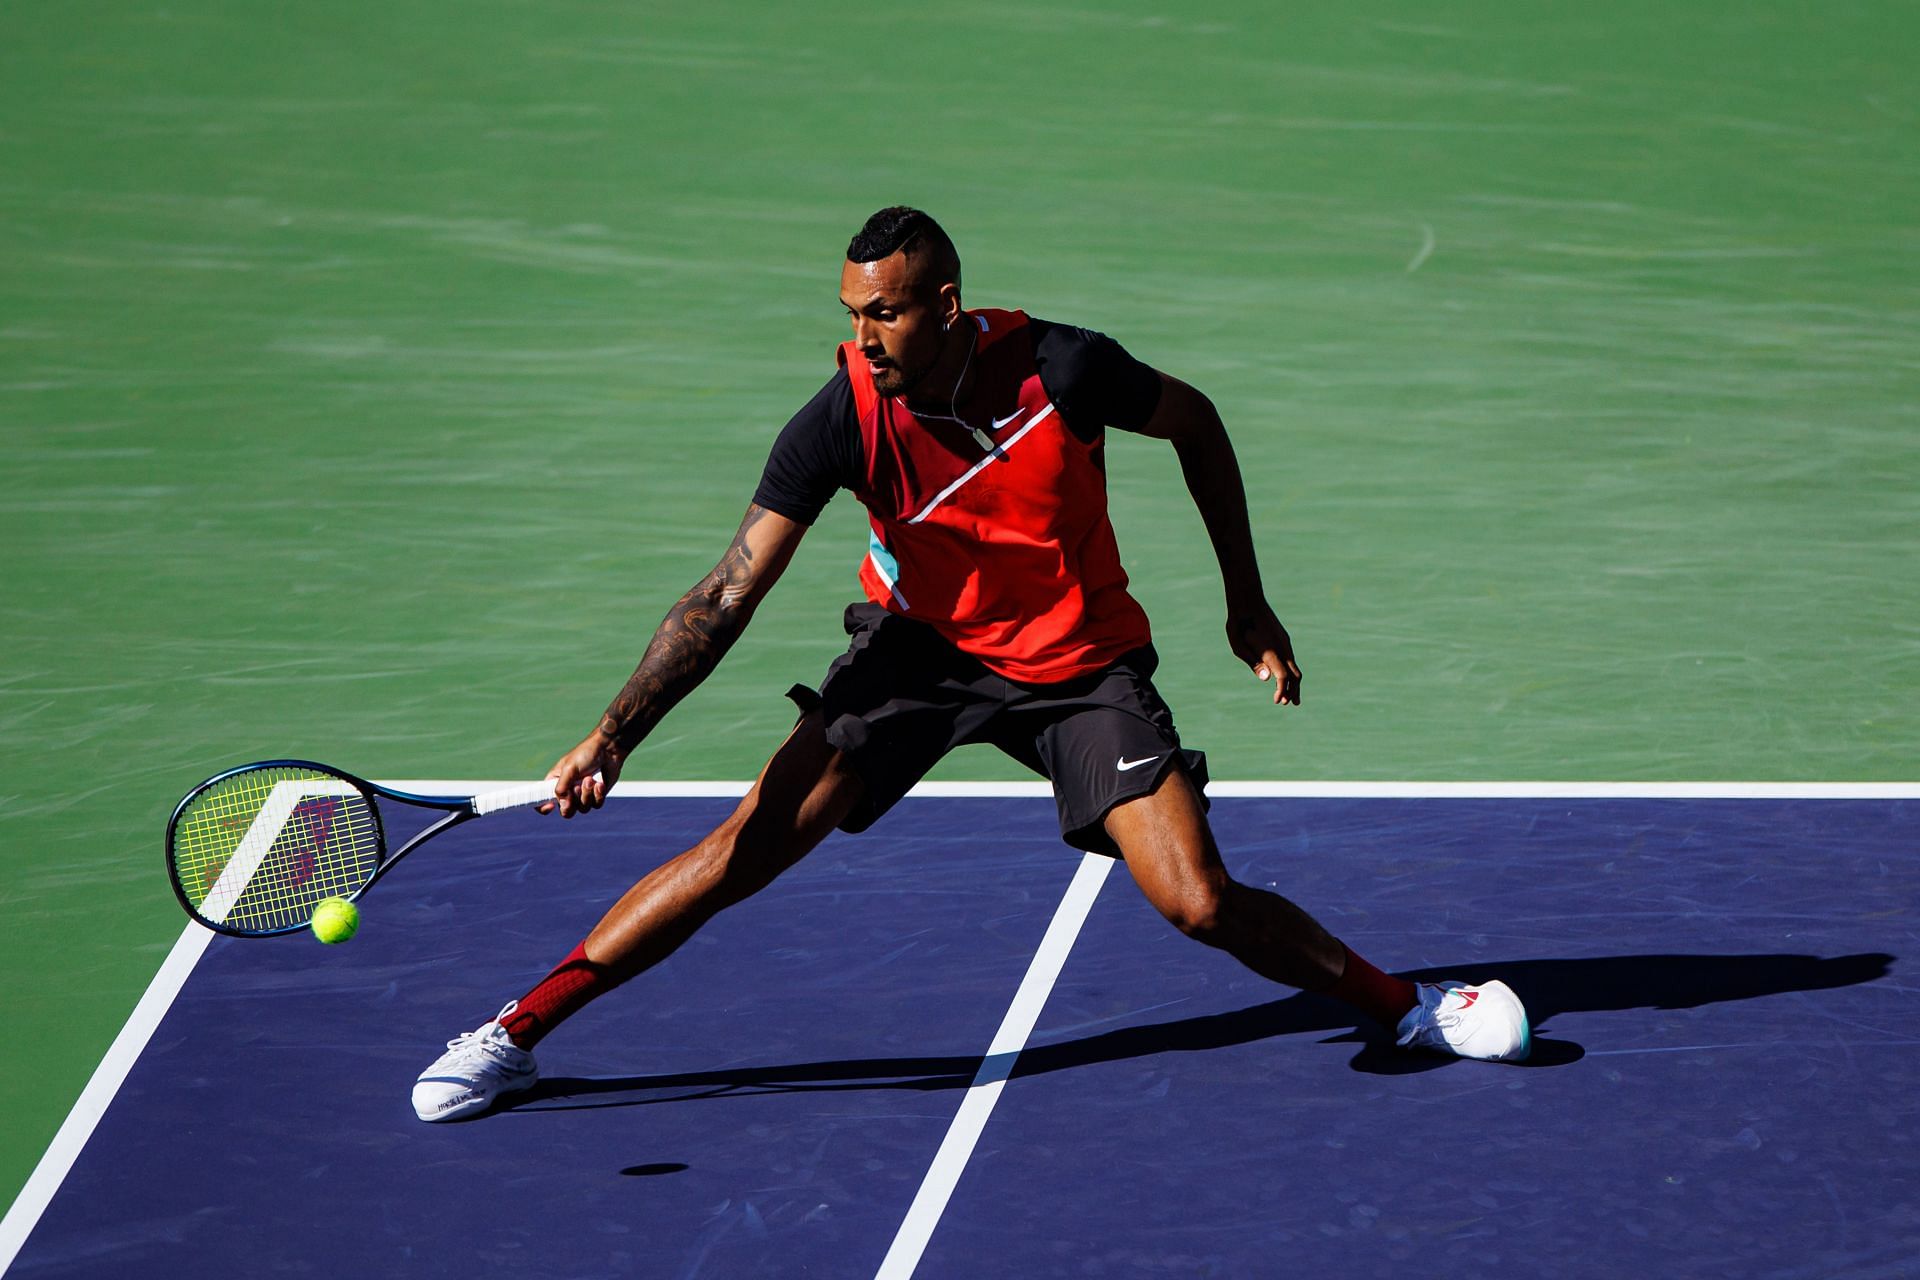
pixel 1725 1080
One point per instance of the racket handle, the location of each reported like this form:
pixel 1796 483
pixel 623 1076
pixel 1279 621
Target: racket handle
pixel 515 797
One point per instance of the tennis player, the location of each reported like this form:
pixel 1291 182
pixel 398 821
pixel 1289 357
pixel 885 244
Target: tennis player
pixel 996 611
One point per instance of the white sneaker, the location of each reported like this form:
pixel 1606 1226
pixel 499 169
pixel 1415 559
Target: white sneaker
pixel 1487 1021
pixel 474 1071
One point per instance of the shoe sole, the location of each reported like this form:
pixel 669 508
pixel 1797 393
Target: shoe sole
pixel 463 1106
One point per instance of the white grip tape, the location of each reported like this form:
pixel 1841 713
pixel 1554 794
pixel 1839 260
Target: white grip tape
pixel 515 797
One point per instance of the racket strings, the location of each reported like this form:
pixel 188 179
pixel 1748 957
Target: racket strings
pixel 258 850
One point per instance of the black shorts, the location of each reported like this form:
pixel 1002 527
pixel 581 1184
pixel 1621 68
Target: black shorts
pixel 902 696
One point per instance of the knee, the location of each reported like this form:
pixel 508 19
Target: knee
pixel 1198 911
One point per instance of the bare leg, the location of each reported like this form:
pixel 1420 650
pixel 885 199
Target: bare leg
pixel 803 793
pixel 1169 848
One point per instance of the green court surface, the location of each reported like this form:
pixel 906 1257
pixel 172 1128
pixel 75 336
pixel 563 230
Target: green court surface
pixel 372 377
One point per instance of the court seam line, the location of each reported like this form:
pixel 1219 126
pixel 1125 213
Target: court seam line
pixel 970 1119
pixel 104 1084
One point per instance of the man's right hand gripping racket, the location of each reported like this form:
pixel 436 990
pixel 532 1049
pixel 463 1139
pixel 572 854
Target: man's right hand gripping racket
pixel 253 850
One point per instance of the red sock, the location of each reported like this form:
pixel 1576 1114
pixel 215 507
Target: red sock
pixel 1380 996
pixel 556 997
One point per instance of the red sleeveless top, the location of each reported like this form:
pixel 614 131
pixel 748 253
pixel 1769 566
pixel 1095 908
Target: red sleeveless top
pixel 1006 552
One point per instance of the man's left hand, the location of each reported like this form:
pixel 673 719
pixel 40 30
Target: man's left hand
pixel 1262 643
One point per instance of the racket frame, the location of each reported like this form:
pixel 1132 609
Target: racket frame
pixel 458 809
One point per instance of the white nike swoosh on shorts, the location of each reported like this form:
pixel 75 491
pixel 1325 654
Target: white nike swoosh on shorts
pixel 1126 764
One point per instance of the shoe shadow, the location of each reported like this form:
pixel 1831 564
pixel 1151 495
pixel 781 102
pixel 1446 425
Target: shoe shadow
pixel 1549 989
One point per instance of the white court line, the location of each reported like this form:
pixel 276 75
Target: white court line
pixel 944 1174
pixel 1575 790
pixel 1307 790
pixel 106 1080
pixel 94 1099
pixel 1488 791
pixel 262 834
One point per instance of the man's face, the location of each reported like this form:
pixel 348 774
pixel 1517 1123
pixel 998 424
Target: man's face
pixel 896 321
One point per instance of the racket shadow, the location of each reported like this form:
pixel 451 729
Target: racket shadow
pixel 1550 988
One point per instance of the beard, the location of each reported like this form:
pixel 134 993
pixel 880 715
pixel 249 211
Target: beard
pixel 894 380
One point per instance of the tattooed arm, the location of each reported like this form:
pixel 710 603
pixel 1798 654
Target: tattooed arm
pixel 690 641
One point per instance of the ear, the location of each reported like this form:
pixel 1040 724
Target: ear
pixel 948 305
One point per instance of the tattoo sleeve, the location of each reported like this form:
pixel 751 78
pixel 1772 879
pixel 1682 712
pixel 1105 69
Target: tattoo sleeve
pixel 689 643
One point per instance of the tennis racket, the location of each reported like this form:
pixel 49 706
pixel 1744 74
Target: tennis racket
pixel 253 850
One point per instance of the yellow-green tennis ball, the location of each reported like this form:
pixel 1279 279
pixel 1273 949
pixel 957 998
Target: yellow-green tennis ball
pixel 335 920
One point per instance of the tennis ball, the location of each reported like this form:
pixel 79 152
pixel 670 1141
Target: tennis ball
pixel 335 920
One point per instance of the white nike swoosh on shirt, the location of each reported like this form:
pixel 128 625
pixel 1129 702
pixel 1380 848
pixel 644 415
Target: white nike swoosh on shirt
pixel 1126 764
pixel 1001 422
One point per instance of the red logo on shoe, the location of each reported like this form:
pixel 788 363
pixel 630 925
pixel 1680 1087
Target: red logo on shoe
pixel 1466 997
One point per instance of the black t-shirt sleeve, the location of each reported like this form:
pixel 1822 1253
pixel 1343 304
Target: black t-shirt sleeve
pixel 816 453
pixel 1092 379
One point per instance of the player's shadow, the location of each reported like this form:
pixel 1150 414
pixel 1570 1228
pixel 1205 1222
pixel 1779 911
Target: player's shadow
pixel 1549 988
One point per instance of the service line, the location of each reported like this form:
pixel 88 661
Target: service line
pixel 931 1200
